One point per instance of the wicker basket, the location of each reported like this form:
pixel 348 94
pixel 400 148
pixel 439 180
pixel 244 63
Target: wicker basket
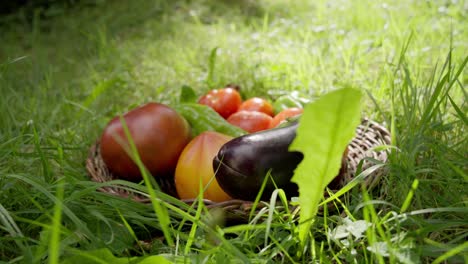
pixel 369 135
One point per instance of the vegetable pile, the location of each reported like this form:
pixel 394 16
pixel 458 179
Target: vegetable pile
pixel 216 145
pixel 252 115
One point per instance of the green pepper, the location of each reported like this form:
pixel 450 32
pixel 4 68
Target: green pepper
pixel 203 118
pixel 293 99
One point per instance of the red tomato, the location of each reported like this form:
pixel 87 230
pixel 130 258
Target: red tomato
pixel 159 133
pixel 250 121
pixel 283 115
pixel 224 101
pixel 195 167
pixel 257 104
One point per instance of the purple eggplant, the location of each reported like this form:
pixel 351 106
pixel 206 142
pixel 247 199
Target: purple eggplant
pixel 242 164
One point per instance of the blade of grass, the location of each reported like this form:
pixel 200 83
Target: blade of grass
pixel 454 251
pixel 15 232
pixel 460 113
pixel 67 211
pixel 243 228
pixel 257 201
pixel 369 216
pixel 355 181
pixel 271 210
pixel 458 170
pixel 193 228
pixel 211 67
pixel 55 230
pixel 130 230
pixel 236 252
pixel 282 249
pixel 159 209
pixel 44 162
pixel 409 197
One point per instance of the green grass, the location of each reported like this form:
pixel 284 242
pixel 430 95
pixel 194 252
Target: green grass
pixel 64 72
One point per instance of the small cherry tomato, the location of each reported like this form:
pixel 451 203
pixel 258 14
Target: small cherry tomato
pixel 224 101
pixel 250 121
pixel 283 115
pixel 257 104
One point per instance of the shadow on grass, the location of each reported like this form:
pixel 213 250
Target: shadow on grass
pixel 30 23
pixel 45 45
pixel 24 11
pixel 59 34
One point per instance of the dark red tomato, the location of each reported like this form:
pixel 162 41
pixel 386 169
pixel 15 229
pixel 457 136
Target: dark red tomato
pixel 257 104
pixel 224 101
pixel 283 115
pixel 159 133
pixel 250 121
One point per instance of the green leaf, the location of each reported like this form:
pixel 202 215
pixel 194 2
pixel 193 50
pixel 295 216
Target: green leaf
pixel 325 129
pixel 203 118
pixel 187 94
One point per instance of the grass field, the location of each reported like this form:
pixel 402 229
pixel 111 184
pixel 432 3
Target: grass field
pixel 65 71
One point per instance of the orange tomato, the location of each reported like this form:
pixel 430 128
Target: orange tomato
pixel 283 115
pixel 250 121
pixel 257 104
pixel 195 167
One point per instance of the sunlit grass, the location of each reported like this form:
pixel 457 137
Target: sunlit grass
pixel 63 75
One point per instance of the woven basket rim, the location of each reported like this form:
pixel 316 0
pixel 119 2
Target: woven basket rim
pixel 369 134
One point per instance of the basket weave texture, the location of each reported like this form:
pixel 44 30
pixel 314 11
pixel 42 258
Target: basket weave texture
pixel 361 152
